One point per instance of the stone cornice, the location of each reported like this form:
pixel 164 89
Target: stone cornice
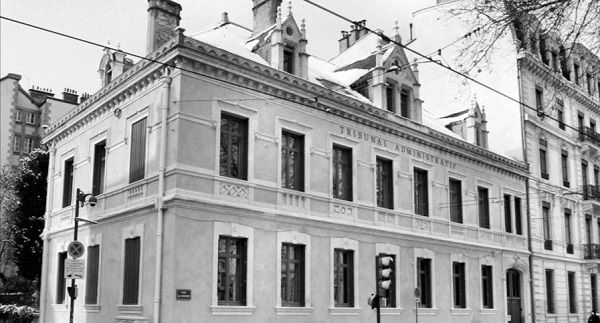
pixel 541 70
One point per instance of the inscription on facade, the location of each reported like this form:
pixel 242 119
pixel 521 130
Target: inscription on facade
pixel 395 146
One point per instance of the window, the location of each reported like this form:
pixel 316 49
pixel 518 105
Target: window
pixel 292 161
pixel 596 176
pixel 584 171
pixel 593 126
pixel 68 183
pixel 424 281
pixel 458 283
pixel 342 173
pixel 131 271
pixel 507 214
pixel 288 59
pixel 99 168
pixel 518 220
pixel 292 274
pixel 19 116
pixel 231 280
pixel 543 159
pixel 421 194
pixel 572 291
pixel 456 212
pixel 390 98
pixel 546 225
pixel 568 234
pixel 28 145
pixel 594 291
pixel 390 293
pixel 566 72
pixel 17 144
pixel 137 157
pixel 588 81
pixel 539 101
pixel 550 291
pixel 576 72
pixel 61 281
pixel 385 189
pixel 543 50
pixel 405 103
pixel 564 162
pixel 588 228
pixel 487 293
pixel 30 118
pixel 91 276
pixel 580 121
pixel 483 205
pixel 560 116
pixel 343 278
pixel 234 142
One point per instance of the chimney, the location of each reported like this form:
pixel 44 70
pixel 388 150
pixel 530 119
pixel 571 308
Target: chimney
pixel 163 18
pixel 356 32
pixel 265 14
pixel 344 41
pixel 70 96
pixel 84 97
pixel 38 95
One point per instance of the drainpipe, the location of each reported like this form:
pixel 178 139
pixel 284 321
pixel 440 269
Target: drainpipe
pixel 46 245
pixel 166 81
pixel 527 201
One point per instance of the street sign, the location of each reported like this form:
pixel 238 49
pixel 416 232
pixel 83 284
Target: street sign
pixel 74 268
pixel 183 294
pixel 75 249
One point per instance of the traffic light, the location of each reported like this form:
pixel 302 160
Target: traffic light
pixel 385 272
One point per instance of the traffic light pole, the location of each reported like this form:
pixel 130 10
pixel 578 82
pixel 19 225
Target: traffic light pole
pixel 75 229
pixel 378 309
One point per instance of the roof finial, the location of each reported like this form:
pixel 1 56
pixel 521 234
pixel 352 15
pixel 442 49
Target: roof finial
pixel 289 7
pixel 278 17
pixel 396 27
pixel 108 43
pixel 119 45
pixel 303 28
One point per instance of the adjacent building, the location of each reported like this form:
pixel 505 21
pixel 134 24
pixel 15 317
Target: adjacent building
pixel 240 179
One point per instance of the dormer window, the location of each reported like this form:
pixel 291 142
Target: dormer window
pixel 405 103
pixel 108 71
pixel 288 59
pixel 389 98
pixel 576 71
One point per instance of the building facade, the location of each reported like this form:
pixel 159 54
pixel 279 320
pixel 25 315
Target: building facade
pixel 239 179
pixel 562 88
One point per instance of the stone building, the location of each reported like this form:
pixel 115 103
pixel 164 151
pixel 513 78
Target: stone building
pixel 23 113
pixel 243 180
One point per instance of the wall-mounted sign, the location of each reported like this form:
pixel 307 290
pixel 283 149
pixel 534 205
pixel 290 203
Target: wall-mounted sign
pixel 183 294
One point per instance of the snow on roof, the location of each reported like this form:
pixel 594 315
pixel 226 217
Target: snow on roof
pixel 230 37
pixel 237 40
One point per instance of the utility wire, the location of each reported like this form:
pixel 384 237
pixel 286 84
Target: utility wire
pixel 388 39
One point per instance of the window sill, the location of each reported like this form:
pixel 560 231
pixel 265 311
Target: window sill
pixel 390 311
pixel 130 319
pixel 130 309
pixel 91 308
pixel 285 310
pixel 427 311
pixel 344 310
pixel 460 311
pixel 232 310
pixel 488 311
pixel 60 307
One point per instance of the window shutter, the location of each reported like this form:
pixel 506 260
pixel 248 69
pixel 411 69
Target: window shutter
pixel 137 158
pixel 131 271
pixel 91 284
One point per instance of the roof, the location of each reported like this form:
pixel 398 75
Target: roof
pixel 336 74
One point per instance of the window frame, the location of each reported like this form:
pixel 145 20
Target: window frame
pixel 549 286
pixel 128 232
pixel 507 213
pixel 244 151
pixel 518 216
pixel 487 286
pixel 346 164
pixel 384 182
pixel 299 262
pixel 572 292
pixel 92 299
pixel 129 278
pixel 19 115
pixel 299 167
pixel 456 212
pixel 420 189
pixel 459 293
pixel 546 222
pixel 543 158
pixel 60 296
pixel 135 174
pixel 296 238
pixel 568 230
pixel 564 162
pixel 338 268
pixel 17 144
pixel 68 170
pixel 28 120
pixel 241 269
pixel 483 207
pixel 348 245
pixel 99 167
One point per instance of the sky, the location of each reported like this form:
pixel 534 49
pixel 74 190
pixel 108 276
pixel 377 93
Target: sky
pixel 52 61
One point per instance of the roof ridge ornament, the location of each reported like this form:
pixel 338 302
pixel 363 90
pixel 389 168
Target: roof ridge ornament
pixel 289 8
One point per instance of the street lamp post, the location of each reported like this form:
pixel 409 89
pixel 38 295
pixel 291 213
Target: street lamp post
pixel 79 199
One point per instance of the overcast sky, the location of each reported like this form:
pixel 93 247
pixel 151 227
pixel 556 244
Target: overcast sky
pixel 55 62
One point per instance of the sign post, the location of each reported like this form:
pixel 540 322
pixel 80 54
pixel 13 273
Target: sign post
pixel 417 298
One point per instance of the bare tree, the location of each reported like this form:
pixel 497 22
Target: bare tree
pixel 567 22
pixel 8 204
